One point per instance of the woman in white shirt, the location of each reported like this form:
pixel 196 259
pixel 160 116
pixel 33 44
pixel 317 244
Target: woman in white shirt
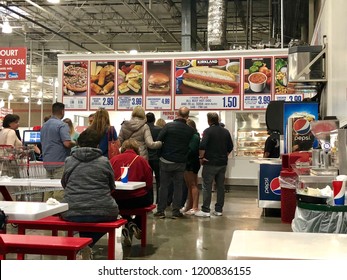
pixel 8 134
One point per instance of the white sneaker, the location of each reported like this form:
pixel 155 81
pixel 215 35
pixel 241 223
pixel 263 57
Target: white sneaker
pixel 202 214
pixel 217 213
pixel 190 212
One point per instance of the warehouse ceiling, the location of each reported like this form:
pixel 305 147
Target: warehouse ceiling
pixel 76 26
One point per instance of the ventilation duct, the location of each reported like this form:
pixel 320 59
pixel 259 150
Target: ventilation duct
pixel 216 25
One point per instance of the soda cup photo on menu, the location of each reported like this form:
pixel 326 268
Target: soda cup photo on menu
pixel 124 174
pixel 339 188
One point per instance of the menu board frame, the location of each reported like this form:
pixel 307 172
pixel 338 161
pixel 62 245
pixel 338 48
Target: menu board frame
pixel 197 101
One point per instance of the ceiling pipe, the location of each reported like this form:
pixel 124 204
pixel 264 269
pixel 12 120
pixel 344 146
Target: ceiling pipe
pixel 43 26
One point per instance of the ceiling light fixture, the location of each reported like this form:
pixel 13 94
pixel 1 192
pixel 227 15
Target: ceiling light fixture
pixel 24 89
pixel 6 27
pixel 56 83
pixel 39 102
pixel 39 79
pixel 5 85
pixel 53 1
pixel 26 99
pixel 133 52
pixel 10 97
pixel 2 103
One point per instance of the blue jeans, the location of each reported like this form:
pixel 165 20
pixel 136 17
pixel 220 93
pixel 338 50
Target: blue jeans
pixel 210 173
pixel 171 173
pixel 91 219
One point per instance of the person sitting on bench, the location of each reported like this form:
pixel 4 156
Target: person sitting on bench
pixel 88 180
pixel 140 171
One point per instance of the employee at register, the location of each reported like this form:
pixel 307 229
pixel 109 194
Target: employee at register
pixel 272 145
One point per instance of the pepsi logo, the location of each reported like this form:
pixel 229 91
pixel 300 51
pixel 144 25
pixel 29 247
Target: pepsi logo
pixel 275 186
pixel 302 126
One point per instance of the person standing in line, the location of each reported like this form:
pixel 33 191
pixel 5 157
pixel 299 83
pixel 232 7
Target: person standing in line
pixel 91 118
pixel 160 122
pixel 215 147
pixel 137 129
pixel 74 134
pixel 191 173
pixel 153 155
pixel 88 181
pixel 106 132
pixel 56 146
pixel 176 137
pixel 8 135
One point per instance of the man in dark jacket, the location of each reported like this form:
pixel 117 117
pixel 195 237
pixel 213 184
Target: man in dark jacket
pixel 215 147
pixel 175 136
pixel 153 155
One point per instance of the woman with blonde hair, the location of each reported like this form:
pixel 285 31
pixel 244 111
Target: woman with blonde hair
pixel 160 122
pixel 74 134
pixel 106 132
pixel 136 128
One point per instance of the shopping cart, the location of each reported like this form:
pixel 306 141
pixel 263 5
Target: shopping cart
pixel 16 163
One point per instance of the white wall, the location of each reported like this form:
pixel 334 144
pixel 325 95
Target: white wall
pixel 332 22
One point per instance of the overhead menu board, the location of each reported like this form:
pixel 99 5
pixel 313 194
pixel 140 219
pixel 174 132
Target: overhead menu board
pixel 165 82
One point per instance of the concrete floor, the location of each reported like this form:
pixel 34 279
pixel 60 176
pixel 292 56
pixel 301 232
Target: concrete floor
pixel 194 238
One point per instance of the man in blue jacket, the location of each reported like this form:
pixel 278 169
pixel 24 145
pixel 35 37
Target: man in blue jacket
pixel 175 136
pixel 215 146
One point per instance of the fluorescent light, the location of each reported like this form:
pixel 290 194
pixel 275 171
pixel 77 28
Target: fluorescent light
pixel 133 52
pixel 6 27
pixel 53 1
pixel 39 79
pixel 5 85
pixel 24 89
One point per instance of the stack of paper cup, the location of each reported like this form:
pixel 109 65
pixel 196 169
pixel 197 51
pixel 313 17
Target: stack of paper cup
pixel 339 188
pixel 124 174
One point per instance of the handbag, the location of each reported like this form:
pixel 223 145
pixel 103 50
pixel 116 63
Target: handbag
pixel 113 144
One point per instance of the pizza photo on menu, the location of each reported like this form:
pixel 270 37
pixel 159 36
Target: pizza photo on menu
pixel 75 78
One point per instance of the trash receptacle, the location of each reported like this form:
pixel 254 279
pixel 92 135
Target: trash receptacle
pixel 288 183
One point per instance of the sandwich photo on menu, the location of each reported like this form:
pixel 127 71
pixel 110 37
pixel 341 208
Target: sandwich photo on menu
pixel 129 79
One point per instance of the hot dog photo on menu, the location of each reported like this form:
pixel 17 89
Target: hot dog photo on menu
pixel 130 77
pixel 207 76
pixel 257 75
pixel 158 80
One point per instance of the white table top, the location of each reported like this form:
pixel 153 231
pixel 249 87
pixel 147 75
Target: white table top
pixel 15 182
pixel 23 210
pixel 251 245
pixel 56 183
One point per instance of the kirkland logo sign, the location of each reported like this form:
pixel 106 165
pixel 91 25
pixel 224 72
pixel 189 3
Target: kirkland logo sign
pixel 13 63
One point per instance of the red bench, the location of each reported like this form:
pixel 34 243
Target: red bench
pixel 54 223
pixel 41 245
pixel 142 212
